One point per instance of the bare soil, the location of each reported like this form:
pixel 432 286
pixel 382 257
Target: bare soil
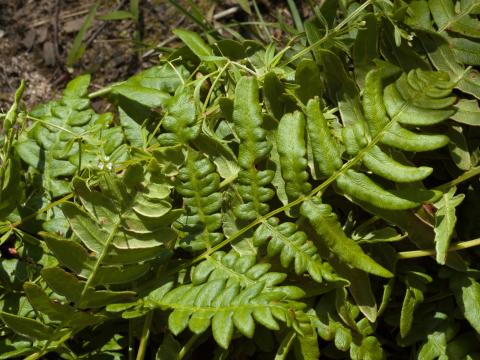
pixel 37 35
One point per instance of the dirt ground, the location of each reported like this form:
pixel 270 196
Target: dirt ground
pixel 37 35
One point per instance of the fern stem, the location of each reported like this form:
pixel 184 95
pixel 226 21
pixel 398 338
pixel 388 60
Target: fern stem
pixel 130 340
pixel 186 349
pixel 335 31
pixel 212 87
pixel 102 255
pixel 145 335
pixel 285 346
pixel 38 212
pixel 457 17
pixel 403 255
pixel 55 126
pixel 464 177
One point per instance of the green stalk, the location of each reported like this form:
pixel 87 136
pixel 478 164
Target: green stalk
pixel 467 175
pixel 403 255
pixel 142 348
pixel 131 354
pixel 102 255
pixel 186 349
pixel 327 36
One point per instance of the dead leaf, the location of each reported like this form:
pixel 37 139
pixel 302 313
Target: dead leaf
pixel 29 39
pixel 42 34
pixel 73 26
pixel 49 53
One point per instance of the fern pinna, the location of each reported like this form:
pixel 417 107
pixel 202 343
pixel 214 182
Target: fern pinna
pixel 260 199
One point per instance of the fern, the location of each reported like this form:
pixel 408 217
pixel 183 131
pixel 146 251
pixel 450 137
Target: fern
pixel 293 161
pixel 292 245
pixel 67 135
pixel 262 198
pixel 180 120
pixel 10 180
pixel 225 308
pixel 202 202
pixel 254 147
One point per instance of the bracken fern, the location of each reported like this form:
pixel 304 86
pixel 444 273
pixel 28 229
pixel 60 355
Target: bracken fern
pixel 256 197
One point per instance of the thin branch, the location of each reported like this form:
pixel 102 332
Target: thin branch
pixel 142 348
pixel 403 255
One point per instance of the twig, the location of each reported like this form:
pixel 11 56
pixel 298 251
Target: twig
pixel 225 13
pixel 65 15
pixel 431 252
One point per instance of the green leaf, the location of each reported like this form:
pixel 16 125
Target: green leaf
pixel 458 148
pixel 12 114
pixel 443 57
pixel 445 220
pixel 342 88
pixel 365 49
pixel 370 348
pixel 67 285
pixel 194 42
pixel 292 150
pixel 413 298
pixel 169 349
pixel 85 228
pixel 57 311
pixel 28 327
pixel 254 147
pixel 363 188
pixel 468 112
pixel 117 15
pixel 443 13
pixel 328 228
pixel 308 78
pixel 306 345
pixel 245 5
pixel 467 294
pixel 466 51
pixel 78 46
pixel 326 152
pixel 292 245
pixel 285 345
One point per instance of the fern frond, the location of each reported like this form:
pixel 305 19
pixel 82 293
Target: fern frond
pixel 10 180
pixel 180 121
pixel 151 88
pixel 292 149
pixel 67 135
pixel 326 151
pixel 202 202
pixel 235 269
pixel 254 147
pixel 225 308
pixel 346 334
pixel 420 98
pixel 326 225
pixel 115 239
pixel 57 311
pixel 292 245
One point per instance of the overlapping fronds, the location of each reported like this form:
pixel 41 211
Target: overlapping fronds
pixel 255 199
